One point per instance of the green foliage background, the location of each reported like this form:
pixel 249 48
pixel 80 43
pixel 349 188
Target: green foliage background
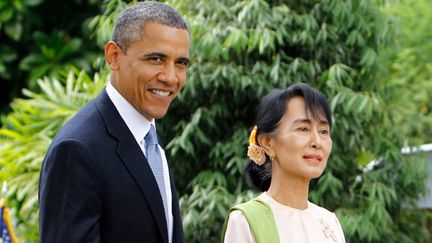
pixel 365 55
pixel 42 37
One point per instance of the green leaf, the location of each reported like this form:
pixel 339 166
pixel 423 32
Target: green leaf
pixel 14 30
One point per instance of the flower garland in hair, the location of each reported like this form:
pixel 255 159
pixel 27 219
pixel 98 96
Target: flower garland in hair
pixel 255 152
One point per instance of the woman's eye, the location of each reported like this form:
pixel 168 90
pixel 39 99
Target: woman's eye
pixel 303 129
pixel 324 131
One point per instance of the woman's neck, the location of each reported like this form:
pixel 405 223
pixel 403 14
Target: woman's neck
pixel 291 192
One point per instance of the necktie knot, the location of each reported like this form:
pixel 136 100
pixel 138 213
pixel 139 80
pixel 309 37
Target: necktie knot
pixel 151 137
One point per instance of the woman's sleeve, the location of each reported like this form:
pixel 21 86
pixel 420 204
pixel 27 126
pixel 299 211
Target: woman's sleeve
pixel 238 229
pixel 339 229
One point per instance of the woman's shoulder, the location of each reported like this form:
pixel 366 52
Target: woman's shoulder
pixel 251 220
pixel 237 229
pixel 328 219
pixel 237 212
pixel 237 216
pixel 255 203
pixel 321 212
pixel 318 209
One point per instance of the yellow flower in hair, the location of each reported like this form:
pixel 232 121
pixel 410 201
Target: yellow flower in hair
pixel 252 136
pixel 255 152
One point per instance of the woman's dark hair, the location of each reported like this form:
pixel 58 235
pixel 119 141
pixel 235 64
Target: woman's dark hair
pixel 269 113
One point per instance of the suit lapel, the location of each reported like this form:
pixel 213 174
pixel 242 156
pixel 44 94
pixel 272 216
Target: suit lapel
pixel 132 157
pixel 178 226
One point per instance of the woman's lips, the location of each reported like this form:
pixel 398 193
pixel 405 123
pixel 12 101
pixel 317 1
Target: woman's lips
pixel 313 158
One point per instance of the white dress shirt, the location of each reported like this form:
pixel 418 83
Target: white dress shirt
pixel 139 127
pixel 311 225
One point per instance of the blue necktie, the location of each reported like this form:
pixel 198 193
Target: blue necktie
pixel 155 161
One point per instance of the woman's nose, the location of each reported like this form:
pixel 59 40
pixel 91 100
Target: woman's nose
pixel 315 141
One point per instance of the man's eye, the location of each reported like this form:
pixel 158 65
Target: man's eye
pixel 156 59
pixel 183 63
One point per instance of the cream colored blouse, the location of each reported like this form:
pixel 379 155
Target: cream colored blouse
pixel 311 225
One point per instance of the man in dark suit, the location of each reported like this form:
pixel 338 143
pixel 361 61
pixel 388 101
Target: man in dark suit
pixel 104 177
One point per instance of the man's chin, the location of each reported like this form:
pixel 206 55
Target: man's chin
pixel 153 113
pixel 156 115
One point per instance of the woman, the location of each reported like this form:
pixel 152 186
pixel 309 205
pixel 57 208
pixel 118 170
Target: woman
pixel 289 146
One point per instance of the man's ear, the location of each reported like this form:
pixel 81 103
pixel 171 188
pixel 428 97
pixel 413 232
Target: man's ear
pixel 266 142
pixel 112 52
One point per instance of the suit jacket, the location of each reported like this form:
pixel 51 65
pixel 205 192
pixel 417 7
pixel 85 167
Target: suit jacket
pixel 96 184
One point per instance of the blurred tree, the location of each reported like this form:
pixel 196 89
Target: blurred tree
pixel 410 69
pixel 240 51
pixel 39 37
pixel 27 133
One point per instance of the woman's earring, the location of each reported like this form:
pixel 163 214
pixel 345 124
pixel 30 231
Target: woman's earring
pixel 271 158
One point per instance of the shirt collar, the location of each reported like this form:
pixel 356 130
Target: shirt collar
pixel 137 123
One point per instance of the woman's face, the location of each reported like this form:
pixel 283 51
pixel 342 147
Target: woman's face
pixel 301 144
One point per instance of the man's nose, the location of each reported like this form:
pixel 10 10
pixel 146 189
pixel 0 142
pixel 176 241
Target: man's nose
pixel 168 74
